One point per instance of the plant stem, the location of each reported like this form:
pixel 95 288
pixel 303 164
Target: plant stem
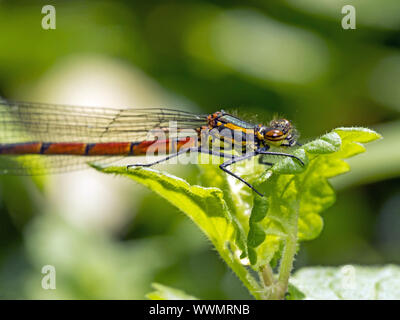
pixel 251 283
pixel 267 275
pixel 286 265
pixel 287 259
pixel 276 289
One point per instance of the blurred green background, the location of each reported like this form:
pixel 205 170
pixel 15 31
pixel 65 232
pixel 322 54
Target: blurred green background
pixel 110 238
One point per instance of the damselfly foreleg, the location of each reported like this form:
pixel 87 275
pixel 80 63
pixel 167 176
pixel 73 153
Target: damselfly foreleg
pixel 173 155
pixel 193 149
pixel 237 159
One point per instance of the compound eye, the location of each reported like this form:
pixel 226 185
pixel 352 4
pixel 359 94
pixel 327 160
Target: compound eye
pixel 274 134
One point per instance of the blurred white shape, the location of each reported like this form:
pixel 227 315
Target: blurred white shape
pixel 384 84
pixel 260 47
pixel 88 198
pixel 92 200
pixel 380 14
pixel 244 261
pixel 93 80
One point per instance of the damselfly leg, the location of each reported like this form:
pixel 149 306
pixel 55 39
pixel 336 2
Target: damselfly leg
pixel 237 159
pixel 250 155
pixel 173 155
pixel 193 149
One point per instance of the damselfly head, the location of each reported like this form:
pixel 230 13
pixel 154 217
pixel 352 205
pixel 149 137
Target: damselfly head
pixel 278 132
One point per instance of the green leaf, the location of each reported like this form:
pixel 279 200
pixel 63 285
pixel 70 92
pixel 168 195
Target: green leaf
pixel 349 282
pixel 206 207
pixel 381 162
pixel 296 195
pixel 167 293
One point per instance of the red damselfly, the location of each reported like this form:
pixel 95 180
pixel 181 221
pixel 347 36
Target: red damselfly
pixel 44 138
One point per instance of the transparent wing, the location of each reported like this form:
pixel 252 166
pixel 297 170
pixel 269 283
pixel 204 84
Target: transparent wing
pixel 24 122
pixel 31 122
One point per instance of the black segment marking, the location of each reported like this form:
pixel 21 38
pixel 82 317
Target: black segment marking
pixel 44 147
pixel 88 147
pixel 133 144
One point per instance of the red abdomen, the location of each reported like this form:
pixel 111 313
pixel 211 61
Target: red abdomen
pixel 97 149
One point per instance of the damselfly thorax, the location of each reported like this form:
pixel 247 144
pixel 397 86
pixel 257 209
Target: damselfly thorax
pixel 42 138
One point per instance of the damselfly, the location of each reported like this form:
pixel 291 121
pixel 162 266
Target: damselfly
pixel 42 138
